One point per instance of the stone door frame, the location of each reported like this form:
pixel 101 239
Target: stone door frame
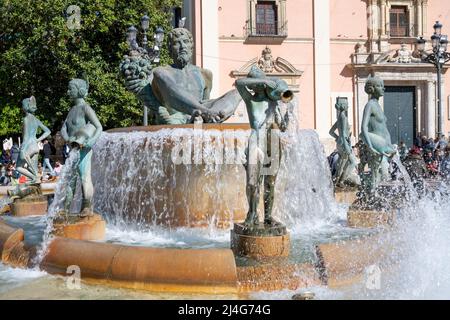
pixel 421 76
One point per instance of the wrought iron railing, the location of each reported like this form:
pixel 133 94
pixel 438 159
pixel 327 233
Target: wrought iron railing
pixel 265 29
pixel 402 31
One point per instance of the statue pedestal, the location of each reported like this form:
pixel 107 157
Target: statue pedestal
pixel 260 241
pixel 345 195
pixel 5 209
pixel 378 209
pixel 359 218
pixel 30 206
pixel 86 228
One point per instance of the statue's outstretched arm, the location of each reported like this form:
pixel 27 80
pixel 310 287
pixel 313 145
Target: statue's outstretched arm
pixel 242 89
pixel 46 130
pixel 244 83
pixel 92 117
pixel 332 131
pixel 252 82
pixel 168 90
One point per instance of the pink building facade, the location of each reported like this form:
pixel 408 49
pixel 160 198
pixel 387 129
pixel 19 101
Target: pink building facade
pixel 327 49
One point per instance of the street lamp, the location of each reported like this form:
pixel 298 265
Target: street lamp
pixel 159 38
pixel 438 58
pixel 437 28
pixel 421 44
pixel 151 54
pixel 131 38
pixel 145 23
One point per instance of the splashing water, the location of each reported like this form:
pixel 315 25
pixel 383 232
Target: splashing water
pixel 307 201
pixel 15 277
pixel 154 177
pixel 304 201
pixel 138 168
pixel 67 172
pixel 162 237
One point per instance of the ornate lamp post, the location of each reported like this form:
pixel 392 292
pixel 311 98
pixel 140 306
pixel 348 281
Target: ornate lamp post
pixel 145 23
pixel 159 38
pixel 131 38
pixel 438 58
pixel 152 54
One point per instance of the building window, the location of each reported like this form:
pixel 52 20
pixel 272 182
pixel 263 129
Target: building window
pixel 399 21
pixel 266 21
pixel 176 16
pixel 266 18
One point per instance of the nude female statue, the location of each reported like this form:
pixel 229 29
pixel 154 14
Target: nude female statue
pixel 82 130
pixel 375 135
pixel 29 150
pixel 347 160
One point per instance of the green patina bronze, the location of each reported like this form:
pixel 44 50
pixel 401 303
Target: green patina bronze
pixel 347 161
pixel 27 163
pixel 377 147
pixel 262 96
pixel 81 129
pixel 179 93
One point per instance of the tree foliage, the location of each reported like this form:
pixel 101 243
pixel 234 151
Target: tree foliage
pixel 41 50
pixel 10 120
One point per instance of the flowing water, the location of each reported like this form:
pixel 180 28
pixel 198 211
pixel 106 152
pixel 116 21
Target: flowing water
pixel 68 173
pixel 132 190
pixel 420 259
pixel 135 163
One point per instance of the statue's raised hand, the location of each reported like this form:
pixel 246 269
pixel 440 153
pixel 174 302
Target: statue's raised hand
pixel 136 70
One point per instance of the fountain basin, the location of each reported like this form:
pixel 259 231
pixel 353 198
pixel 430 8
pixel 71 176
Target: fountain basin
pixel 153 269
pixel 359 218
pixel 344 263
pixel 47 188
pixel 87 228
pixel 207 271
pixel 35 206
pixel 345 195
pixel 12 249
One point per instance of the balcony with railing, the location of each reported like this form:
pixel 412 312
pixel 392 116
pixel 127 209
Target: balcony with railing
pixel 264 31
pixel 402 34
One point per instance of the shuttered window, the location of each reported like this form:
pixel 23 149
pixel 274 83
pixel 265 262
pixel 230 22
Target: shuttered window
pixel 399 21
pixel 266 18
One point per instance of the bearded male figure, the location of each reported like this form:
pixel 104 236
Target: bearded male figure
pixel 179 93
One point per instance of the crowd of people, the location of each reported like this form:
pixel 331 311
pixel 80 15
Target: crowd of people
pixel 428 158
pixel 49 170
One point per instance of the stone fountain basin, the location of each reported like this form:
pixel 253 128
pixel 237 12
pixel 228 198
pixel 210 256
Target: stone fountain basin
pixel 210 271
pixel 48 188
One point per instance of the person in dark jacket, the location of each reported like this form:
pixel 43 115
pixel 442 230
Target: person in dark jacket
pixel 15 153
pixel 47 153
pixel 444 168
pixel 417 169
pixel 5 159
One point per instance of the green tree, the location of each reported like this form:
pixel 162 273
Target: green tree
pixel 10 120
pixel 42 48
